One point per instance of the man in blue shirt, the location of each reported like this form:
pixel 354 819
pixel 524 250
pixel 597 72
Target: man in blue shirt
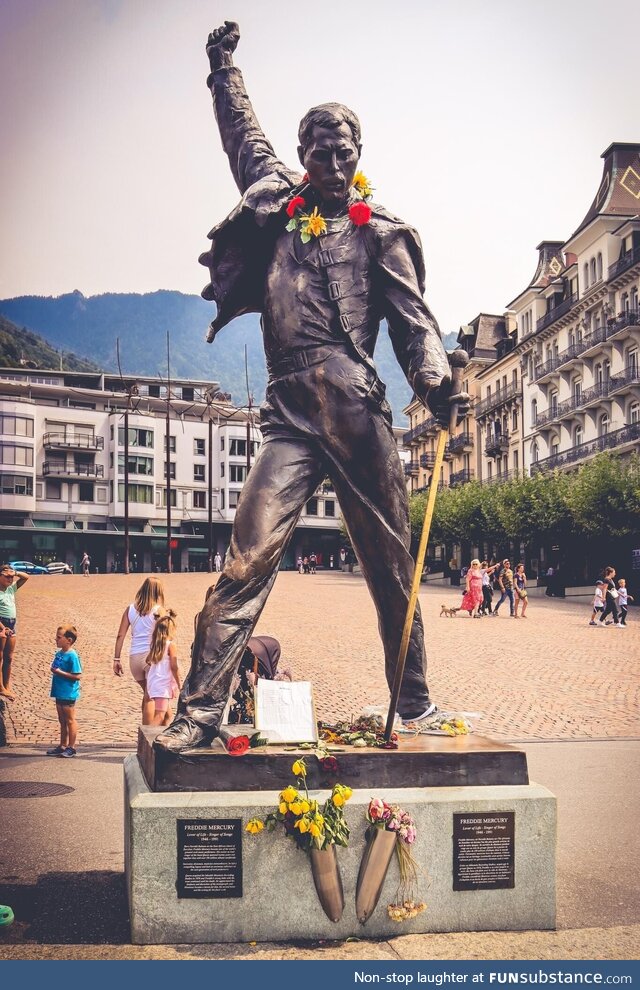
pixel 65 689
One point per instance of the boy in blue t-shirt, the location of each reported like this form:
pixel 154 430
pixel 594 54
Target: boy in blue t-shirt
pixel 65 689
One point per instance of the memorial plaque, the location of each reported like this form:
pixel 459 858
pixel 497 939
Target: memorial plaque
pixel 484 851
pixel 209 857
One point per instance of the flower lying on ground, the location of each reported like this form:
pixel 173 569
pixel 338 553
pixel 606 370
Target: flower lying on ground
pixel 367 730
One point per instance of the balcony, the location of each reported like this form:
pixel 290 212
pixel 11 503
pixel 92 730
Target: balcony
pixel 499 398
pixel 461 477
pixel 546 368
pixel 61 469
pixel 628 434
pixel 496 444
pixel 624 380
pixel 500 479
pixel 411 469
pixel 624 321
pixel 463 443
pixel 421 430
pixel 555 313
pixel 427 460
pixel 626 261
pixel 66 441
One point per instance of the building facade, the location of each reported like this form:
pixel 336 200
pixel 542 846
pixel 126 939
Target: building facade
pixel 70 442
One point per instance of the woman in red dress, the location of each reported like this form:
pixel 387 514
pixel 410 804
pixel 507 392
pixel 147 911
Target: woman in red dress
pixel 472 599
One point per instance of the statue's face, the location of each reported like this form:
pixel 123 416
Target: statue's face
pixel 331 159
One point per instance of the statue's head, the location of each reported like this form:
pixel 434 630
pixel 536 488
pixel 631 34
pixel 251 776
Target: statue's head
pixel 329 149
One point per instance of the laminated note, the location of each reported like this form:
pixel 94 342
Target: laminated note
pixel 285 711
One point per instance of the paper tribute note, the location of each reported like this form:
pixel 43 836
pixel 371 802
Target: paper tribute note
pixel 285 711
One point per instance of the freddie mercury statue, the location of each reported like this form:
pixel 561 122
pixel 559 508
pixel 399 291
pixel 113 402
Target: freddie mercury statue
pixel 322 267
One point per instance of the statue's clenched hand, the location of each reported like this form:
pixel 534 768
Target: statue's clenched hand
pixel 221 44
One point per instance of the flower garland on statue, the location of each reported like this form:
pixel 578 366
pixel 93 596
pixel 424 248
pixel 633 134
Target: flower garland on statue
pixel 314 224
pixel 392 818
pixel 301 817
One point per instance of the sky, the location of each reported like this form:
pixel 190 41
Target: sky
pixel 483 124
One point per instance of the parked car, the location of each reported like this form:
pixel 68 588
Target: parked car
pixel 27 567
pixel 59 567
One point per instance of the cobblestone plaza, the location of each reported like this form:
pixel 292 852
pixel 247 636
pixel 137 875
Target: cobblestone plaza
pixel 549 676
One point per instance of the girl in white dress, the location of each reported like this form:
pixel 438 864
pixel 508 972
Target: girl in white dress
pixel 163 676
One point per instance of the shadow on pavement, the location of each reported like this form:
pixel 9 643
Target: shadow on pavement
pixel 69 908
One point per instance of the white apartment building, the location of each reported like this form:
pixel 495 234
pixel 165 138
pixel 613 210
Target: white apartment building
pixel 579 329
pixel 63 466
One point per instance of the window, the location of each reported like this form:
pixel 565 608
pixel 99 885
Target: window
pixel 199 447
pixel 170 470
pixel 11 453
pixel 599 266
pixel 53 489
pixel 172 444
pixel 137 464
pixel 221 443
pixel 535 453
pixel 199 500
pixel 237 473
pixel 187 393
pixel 578 436
pixel 555 446
pixel 137 493
pixel 16 426
pixel 238 448
pixel 514 377
pixel 137 438
pixel 603 425
pixel 534 412
pixel 329 507
pixel 585 275
pixel 576 388
pixel 553 403
pixel 312 507
pixel 631 362
pixel 173 498
pixel 514 420
pixel 516 464
pixel 222 469
pixel 233 499
pixel 222 499
pixel 16 484
pixel 85 491
pixel 198 472
pixel 634 413
pixel 592 270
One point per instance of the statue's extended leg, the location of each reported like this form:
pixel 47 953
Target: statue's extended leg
pixel 284 477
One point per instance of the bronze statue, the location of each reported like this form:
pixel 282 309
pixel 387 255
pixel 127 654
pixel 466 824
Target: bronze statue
pixel 322 266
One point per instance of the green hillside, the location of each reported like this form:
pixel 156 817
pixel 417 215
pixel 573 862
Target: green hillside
pixel 22 347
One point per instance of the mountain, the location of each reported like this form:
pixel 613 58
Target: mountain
pixel 90 326
pixel 23 347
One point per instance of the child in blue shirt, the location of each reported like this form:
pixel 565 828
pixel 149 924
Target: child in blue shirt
pixel 65 689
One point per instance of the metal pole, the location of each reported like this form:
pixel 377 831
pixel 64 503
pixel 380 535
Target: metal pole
pixel 168 460
pixel 210 493
pixel 126 486
pixel 458 360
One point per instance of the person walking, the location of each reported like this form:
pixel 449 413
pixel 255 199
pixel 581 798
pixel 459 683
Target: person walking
pixel 163 676
pixel 85 564
pixel 505 581
pixel 610 598
pixel 598 602
pixel 217 561
pixel 520 582
pixel 472 598
pixel 140 617
pixel 313 563
pixel 487 587
pixel 623 600
pixel 10 582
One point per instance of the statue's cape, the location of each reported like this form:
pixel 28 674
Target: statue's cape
pixel 242 246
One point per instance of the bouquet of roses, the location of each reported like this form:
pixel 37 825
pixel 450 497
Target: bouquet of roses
pixel 392 818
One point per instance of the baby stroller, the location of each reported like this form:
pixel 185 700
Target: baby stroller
pixel 260 659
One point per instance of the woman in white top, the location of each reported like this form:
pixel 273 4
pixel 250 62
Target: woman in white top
pixel 163 678
pixel 140 617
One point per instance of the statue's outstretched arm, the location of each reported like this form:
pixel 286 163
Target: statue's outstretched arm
pixel 250 154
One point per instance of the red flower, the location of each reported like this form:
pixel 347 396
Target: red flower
pixel 360 214
pixel 330 763
pixel 294 204
pixel 238 745
pixel 305 177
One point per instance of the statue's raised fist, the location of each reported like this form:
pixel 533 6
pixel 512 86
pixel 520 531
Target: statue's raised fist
pixel 221 44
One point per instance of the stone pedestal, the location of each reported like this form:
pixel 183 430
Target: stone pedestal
pixel 279 901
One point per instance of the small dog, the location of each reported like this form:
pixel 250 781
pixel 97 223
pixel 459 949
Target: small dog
pixel 449 612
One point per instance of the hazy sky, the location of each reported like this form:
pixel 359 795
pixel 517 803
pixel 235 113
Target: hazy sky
pixel 483 124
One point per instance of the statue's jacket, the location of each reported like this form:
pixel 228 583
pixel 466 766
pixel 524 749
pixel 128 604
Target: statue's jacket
pixel 355 275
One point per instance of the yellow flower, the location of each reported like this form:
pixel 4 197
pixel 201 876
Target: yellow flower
pixel 362 184
pixel 282 808
pixel 302 824
pixel 299 768
pixel 319 819
pixel 313 828
pixel 313 225
pixel 338 800
pixel 289 794
pixel 346 792
pixel 254 826
pixel 305 807
pixel 296 807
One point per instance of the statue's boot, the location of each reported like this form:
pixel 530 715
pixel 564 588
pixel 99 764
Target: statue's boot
pixel 183 733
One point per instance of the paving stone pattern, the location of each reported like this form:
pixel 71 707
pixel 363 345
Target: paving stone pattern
pixel 548 676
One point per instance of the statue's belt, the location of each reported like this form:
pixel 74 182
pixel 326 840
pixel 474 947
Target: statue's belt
pixel 301 359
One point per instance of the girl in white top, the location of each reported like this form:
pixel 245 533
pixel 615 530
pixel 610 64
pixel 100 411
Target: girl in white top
pixel 598 603
pixel 140 617
pixel 163 677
